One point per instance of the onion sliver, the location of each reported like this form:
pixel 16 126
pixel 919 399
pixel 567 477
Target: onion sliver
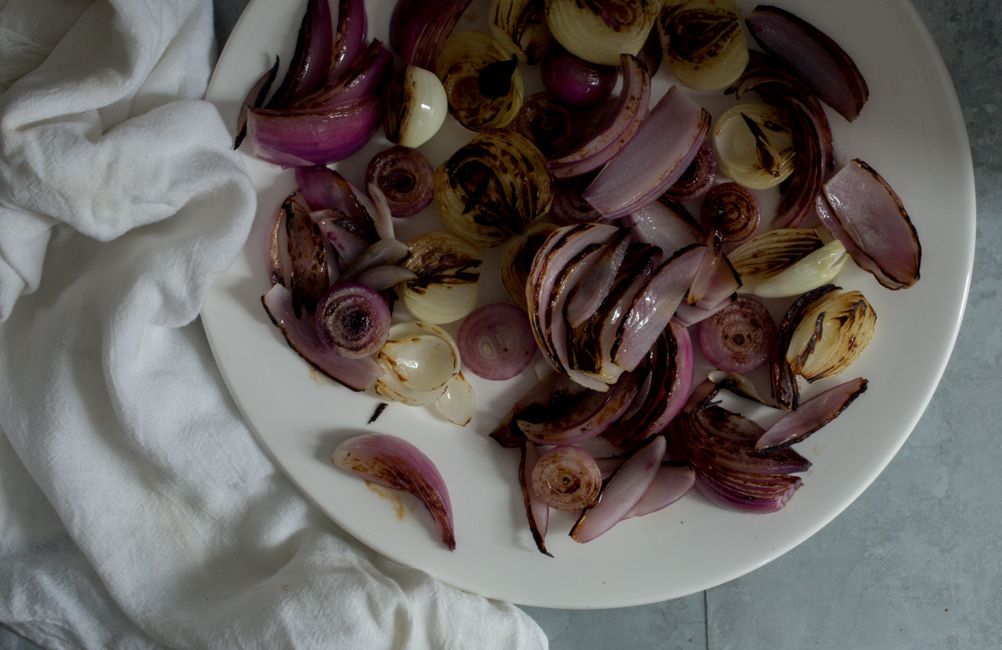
pixel 495 341
pixel 667 225
pixel 622 491
pixel 861 210
pixel 813 56
pixel 353 320
pixel 766 255
pixel 654 306
pixel 350 37
pixel 301 335
pixel 458 404
pixel 566 478
pixel 308 274
pixel 397 464
pixel 674 480
pixel 739 338
pixel 664 146
pixel 311 58
pixel 812 415
pixel 419 360
pixel 536 510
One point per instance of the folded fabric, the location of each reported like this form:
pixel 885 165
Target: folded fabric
pixel 136 509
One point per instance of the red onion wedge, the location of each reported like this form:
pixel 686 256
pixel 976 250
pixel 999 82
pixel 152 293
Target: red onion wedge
pixel 654 306
pixel 537 512
pixel 720 446
pixel 566 478
pixel 811 416
pixel 325 189
pixel 739 338
pixel 861 210
pixel 365 77
pixel 622 491
pixel 673 481
pixel 397 464
pixel 582 416
pixel 818 60
pixel 353 320
pixel 617 129
pixel 664 146
pixel 419 28
pixel 349 40
pixel 310 61
pixel 301 335
pixel 666 224
pixel 495 341
pixel 593 288
pixel 309 277
pixel 301 138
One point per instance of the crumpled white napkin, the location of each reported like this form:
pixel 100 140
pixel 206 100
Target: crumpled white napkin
pixel 136 509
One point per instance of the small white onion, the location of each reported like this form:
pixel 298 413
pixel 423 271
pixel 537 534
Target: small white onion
pixel 419 360
pixel 757 163
pixel 416 109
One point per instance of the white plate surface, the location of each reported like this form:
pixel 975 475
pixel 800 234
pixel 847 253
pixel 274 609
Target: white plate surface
pixel 911 131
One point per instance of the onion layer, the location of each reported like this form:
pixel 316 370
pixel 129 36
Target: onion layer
pixel 567 478
pixel 600 30
pixel 740 338
pixel 353 319
pixel 397 464
pixel 496 341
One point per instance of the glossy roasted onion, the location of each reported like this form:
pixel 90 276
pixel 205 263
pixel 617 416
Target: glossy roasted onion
pixel 481 81
pixel 733 211
pixel 517 256
pixel 519 26
pixel 599 31
pixel 415 105
pixel 703 43
pixel 353 320
pixel 492 188
pixel 448 277
pixel 831 336
pixel 405 177
pixel 754 145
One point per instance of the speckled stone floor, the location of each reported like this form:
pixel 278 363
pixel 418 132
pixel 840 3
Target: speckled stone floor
pixel 915 562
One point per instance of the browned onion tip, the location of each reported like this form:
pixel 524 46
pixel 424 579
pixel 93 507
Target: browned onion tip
pixel 537 512
pixel 784 382
pixel 309 275
pixel 566 478
pixel 418 29
pixel 813 56
pixel 255 99
pixel 861 210
pixel 739 338
pixel 698 177
pixel 397 464
pixel 813 414
pixel 622 491
pixel 733 210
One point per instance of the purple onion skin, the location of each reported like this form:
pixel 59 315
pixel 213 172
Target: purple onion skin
pixel 574 81
pixel 405 177
pixel 397 464
pixel 812 415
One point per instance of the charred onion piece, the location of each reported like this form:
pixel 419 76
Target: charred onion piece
pixel 492 188
pixel 703 43
pixel 733 211
pixel 622 491
pixel 353 320
pixel 754 145
pixel 811 416
pixel 416 106
pixel 419 29
pixel 550 125
pixel 519 26
pixel 420 360
pixel 600 30
pixel 448 277
pixel 405 177
pixel 481 81
pixel 818 60
pixel 301 335
pixel 785 385
pixel 832 334
pixel 517 256
pixel 767 255
pixel 309 277
pixel 566 478
pixel 739 338
pixel 861 210
pixel 397 464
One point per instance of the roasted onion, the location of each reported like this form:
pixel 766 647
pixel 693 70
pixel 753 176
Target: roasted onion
pixel 448 276
pixel 754 145
pixel 481 81
pixel 517 256
pixel 405 177
pixel 492 188
pixel 733 211
pixel 575 81
pixel 353 319
pixel 519 26
pixel 703 43
pixel 415 105
pixel 831 335
pixel 739 338
pixel 496 342
pixel 567 478
pixel 600 30
pixel 419 361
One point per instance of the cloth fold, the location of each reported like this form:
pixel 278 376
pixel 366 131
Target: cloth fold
pixel 136 509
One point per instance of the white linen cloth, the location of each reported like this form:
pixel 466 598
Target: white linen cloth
pixel 136 509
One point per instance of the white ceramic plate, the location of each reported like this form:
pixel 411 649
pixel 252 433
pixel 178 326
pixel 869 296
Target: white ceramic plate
pixel 911 131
